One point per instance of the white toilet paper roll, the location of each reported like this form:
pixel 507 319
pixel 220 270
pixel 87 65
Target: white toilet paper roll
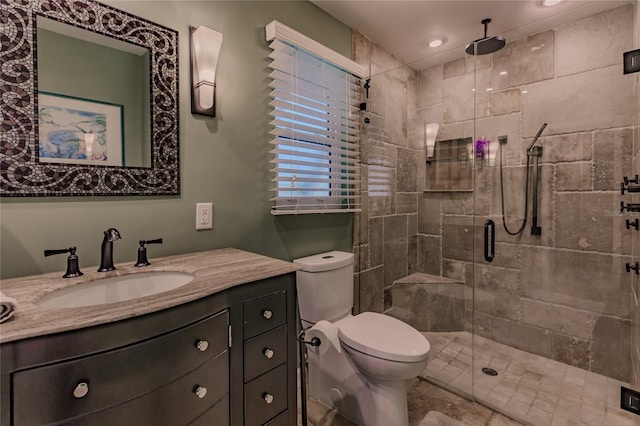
pixel 328 335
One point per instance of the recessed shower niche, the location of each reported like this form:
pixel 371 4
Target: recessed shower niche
pixel 451 166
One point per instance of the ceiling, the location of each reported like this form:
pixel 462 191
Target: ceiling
pixel 404 27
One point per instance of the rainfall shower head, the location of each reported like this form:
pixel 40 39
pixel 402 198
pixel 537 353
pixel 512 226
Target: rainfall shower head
pixel 485 45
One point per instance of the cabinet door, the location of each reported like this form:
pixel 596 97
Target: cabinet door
pixel 115 376
pixel 218 415
pixel 175 404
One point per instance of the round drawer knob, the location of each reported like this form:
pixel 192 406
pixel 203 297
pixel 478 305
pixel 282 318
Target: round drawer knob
pixel 81 390
pixel 268 398
pixel 267 314
pixel 202 345
pixel 200 391
pixel 268 353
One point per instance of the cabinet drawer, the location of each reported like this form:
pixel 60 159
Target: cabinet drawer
pixel 281 420
pixel 115 376
pixel 264 352
pixel 173 404
pixel 264 313
pixel 218 415
pixel 257 410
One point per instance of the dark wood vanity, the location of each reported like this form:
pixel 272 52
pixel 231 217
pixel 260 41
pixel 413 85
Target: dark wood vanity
pixel 228 358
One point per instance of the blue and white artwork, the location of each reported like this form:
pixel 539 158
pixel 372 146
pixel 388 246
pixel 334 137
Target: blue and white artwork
pixel 78 131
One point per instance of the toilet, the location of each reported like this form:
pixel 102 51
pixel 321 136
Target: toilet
pixel 363 362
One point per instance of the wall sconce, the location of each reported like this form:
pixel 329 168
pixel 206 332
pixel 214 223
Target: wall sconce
pixel 431 131
pixel 205 50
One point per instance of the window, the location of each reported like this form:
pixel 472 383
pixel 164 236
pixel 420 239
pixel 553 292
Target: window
pixel 314 109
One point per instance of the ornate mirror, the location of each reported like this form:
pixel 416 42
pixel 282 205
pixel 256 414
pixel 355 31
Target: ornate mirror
pixel 95 111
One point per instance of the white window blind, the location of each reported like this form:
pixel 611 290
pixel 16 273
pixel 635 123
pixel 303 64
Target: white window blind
pixel 315 150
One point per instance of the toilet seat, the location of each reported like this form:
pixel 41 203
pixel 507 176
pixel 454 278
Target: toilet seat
pixel 383 337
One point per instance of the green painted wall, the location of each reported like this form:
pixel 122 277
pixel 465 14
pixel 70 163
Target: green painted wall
pixel 223 160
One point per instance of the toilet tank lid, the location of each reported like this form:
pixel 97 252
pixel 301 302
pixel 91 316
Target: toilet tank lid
pixel 325 261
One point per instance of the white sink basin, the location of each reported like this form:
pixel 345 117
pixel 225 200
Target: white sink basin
pixel 114 289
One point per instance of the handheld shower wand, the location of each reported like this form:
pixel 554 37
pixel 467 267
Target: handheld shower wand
pixel 532 151
pixel 535 139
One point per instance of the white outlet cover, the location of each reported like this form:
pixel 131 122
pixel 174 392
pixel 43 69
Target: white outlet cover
pixel 204 216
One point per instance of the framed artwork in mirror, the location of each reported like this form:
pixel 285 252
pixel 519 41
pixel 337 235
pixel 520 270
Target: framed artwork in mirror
pixel 45 156
pixel 79 131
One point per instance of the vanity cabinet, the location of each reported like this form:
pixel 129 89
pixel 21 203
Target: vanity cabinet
pixel 225 359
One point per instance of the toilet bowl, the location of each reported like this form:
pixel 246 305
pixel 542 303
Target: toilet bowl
pixel 363 362
pixel 382 347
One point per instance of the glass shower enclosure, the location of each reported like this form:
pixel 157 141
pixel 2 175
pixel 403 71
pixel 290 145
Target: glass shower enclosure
pixel 511 240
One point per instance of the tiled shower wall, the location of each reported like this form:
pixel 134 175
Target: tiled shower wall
pixel 564 294
pixel 385 237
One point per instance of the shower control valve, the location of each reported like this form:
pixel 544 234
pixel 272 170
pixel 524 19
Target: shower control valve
pixel 630 185
pixel 630 207
pixel 634 267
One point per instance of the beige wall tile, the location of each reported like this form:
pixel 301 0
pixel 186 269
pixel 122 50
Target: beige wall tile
pixel 599 99
pixel 505 101
pixel 589 281
pixel 611 345
pixel 591 222
pixel 566 320
pixel 574 177
pixel 594 42
pixel 429 82
pixel 612 157
pixel 563 148
pixel 458 98
pixel 524 61
pixel 395 248
pixel 429 249
pixel 454 68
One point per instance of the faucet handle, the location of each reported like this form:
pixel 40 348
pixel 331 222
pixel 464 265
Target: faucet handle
pixel 73 269
pixel 142 251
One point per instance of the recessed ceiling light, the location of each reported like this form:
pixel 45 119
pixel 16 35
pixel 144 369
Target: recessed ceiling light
pixel 436 42
pixel 503 73
pixel 549 2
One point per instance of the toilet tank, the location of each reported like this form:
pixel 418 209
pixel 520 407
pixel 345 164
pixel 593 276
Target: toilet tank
pixel 325 286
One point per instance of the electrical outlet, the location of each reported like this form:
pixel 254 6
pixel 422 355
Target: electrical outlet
pixel 204 216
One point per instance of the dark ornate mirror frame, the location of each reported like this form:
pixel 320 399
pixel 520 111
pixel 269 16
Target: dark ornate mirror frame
pixel 22 175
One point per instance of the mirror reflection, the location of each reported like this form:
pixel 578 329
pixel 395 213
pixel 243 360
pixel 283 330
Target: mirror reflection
pixel 93 98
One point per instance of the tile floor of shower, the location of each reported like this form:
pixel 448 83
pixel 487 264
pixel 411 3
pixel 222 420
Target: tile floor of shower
pixel 529 389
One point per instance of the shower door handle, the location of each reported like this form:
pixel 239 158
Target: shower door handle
pixel 489 240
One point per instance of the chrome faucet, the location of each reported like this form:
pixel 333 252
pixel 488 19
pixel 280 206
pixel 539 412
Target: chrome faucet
pixel 106 250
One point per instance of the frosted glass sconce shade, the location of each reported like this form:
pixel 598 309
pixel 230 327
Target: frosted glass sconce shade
pixel 431 131
pixel 88 143
pixel 205 50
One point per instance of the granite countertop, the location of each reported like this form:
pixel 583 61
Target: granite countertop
pixel 214 271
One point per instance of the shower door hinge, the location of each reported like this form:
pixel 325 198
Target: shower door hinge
pixel 630 400
pixel 633 224
pixel 631 60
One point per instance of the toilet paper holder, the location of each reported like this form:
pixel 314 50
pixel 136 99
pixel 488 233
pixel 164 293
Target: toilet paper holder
pixel 315 341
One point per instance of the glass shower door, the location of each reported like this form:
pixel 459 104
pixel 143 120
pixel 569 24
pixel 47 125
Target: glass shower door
pixel 552 298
